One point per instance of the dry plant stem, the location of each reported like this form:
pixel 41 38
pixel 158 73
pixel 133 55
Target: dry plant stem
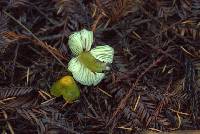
pixel 14 62
pixel 36 38
pixel 161 51
pixel 161 104
pixel 158 50
pixel 8 123
pixel 12 35
pixel 123 102
pixel 96 22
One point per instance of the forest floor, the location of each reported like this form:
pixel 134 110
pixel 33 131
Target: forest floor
pixel 153 84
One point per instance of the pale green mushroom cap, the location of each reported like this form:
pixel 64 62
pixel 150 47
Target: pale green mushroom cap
pixel 83 70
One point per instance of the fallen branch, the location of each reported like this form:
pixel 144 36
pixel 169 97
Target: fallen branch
pixel 123 102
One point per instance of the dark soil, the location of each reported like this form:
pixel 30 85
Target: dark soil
pixel 154 82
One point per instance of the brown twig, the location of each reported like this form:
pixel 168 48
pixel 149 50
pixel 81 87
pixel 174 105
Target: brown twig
pixel 12 36
pixel 123 102
pixel 96 22
pixel 160 51
pixel 161 104
pixel 37 40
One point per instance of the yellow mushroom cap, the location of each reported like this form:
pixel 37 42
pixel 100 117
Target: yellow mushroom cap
pixel 67 87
